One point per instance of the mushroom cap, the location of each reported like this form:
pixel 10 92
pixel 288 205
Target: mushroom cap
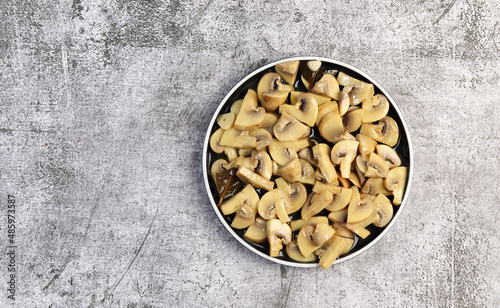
pixel 317 203
pixel 270 82
pixel 271 100
pixel 307 173
pixel 375 108
pixel 375 186
pixel 246 195
pixel 257 232
pixel 307 155
pixel 315 220
pixel 245 215
pixel 327 86
pixel 215 141
pixel 360 210
pixel 226 120
pixel 344 102
pixel 331 127
pixel 270 119
pixel 343 153
pixel 236 106
pixel 396 182
pixel 263 164
pixel 305 110
pixel 383 207
pixel 377 167
pixel 352 119
pixel 250 115
pixel 386 131
pixel 340 199
pixel 322 233
pixel 269 203
pixel 336 246
pixel 288 128
pixel 288 71
pixel 389 155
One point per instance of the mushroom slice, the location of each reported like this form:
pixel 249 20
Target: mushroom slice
pixel 237 139
pixel 340 199
pixel 270 205
pixel 359 90
pixel 315 220
pixel 245 215
pixel 271 82
pixel 288 71
pixel 325 109
pixel 244 152
pixel 375 107
pixel 375 186
pixel 320 99
pixel 293 251
pixel 344 182
pixel 305 110
pixel 361 167
pixel 236 106
pixel 359 211
pixel 327 86
pixel 257 180
pixel 291 171
pixel 307 155
pixel 271 100
pixel 352 119
pixel 336 245
pixel 317 203
pixel 396 182
pixel 278 234
pixel 347 136
pixel 215 141
pixel 320 186
pixel 270 119
pixel 386 131
pixel 284 151
pixel 307 173
pixel 342 231
pixel 377 167
pixel 321 153
pixel 251 115
pixel 389 155
pixel 257 231
pixel 343 153
pixel 231 153
pixel 331 127
pixel 357 228
pixel 226 120
pixel 366 145
pixel 263 164
pixel 288 128
pixel 263 138
pixel 344 101
pixel 383 207
pixel 338 216
pixel 218 166
pixel 246 195
pixel 294 195
pixel 305 240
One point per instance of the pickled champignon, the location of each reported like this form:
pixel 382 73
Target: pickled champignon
pixel 271 82
pixel 284 151
pixel 305 110
pixel 247 195
pixel 389 155
pixel 357 89
pixel 396 182
pixel 293 251
pixel 359 209
pixel 215 141
pixel 270 119
pixel 271 100
pixel 271 206
pixel 316 204
pixel 366 145
pixel 352 119
pixel 250 115
pixel 325 109
pixel 383 207
pixel 263 138
pixel 226 120
pixel 327 86
pixel 288 71
pixel 375 108
pixel 343 153
pixel 385 131
pixel 294 195
pixel 237 139
pixel 288 128
pixel 263 164
pixel 375 186
pixel 278 234
pixel 344 102
pixel 311 238
pixel 236 106
pixel 257 231
pixel 377 167
pixel 322 155
pixel 217 167
pixel 340 199
pixel 307 155
pixel 315 220
pixel 331 127
pixel 307 173
pixel 291 171
pixel 257 180
pixel 334 247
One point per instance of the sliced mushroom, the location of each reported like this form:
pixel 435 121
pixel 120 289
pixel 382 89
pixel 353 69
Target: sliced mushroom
pixel 231 153
pixel 251 115
pixel 336 245
pixel 270 204
pixel 315 220
pixel 327 86
pixel 340 200
pixel 263 164
pixel 263 138
pixel 325 109
pixel 307 173
pixel 352 119
pixel 347 136
pixel 215 141
pixel 317 203
pixel 389 155
pixel 257 180
pixel 307 155
pixel 270 119
pixel 396 182
pixel 321 153
pixel 236 106
pixel 288 71
pixel 344 182
pixel 366 145
pixel 246 195
pixel 354 179
pixel 305 110
pixel 288 128
pixel 294 195
pixel 305 240
pixel 344 102
pixel 278 234
pixel 331 127
pixel 383 207
pixel 359 210
pixel 375 108
pixel 237 139
pixel 375 186
pixel 271 100
pixel 377 167
pixel 226 120
pixel 271 82
pixel 293 251
pixel 342 231
pixel 320 186
pixel 320 99
pixel 244 152
pixel 357 228
pixel 343 153
pixel 257 231
pixel 359 90
pixel 291 171
pixel 338 216
pixel 217 167
pixel 386 131
pixel 361 167
pixel 245 215
pixel 284 151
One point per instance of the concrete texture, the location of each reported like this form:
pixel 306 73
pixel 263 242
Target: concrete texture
pixel 103 110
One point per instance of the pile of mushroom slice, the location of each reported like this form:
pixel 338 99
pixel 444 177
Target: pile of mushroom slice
pixel 318 166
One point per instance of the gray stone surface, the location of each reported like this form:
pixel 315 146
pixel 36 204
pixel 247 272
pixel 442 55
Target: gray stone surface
pixel 103 111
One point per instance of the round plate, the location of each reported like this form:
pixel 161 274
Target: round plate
pixel 403 148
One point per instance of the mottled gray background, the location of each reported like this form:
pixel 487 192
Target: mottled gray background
pixel 103 110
